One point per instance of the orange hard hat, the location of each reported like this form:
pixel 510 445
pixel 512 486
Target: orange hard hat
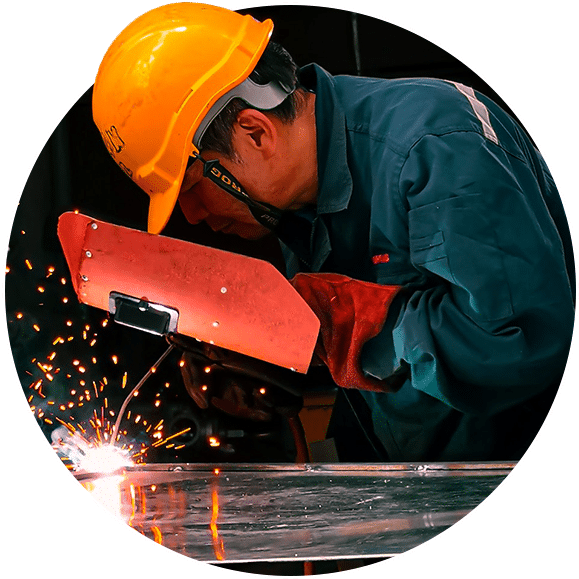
pixel 161 83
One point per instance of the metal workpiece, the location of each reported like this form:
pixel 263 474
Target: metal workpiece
pixel 240 513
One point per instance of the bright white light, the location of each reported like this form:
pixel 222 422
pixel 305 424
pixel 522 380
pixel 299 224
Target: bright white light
pixel 107 491
pixel 88 456
pixel 104 459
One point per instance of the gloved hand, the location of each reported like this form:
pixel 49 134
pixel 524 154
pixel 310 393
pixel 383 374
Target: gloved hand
pixel 236 384
pixel 351 312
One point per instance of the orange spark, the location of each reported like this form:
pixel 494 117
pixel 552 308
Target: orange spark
pixel 165 440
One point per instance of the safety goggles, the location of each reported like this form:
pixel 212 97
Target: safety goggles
pixel 264 213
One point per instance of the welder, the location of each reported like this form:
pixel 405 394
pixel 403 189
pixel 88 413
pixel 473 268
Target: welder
pixel 416 218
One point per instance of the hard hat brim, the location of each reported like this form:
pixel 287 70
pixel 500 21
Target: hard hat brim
pixel 161 207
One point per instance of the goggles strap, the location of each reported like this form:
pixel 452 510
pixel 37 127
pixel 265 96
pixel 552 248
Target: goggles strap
pixel 264 213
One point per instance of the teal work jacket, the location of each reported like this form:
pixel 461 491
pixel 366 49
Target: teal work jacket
pixel 429 185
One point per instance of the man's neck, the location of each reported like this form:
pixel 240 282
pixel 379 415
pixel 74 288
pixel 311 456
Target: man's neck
pixel 303 151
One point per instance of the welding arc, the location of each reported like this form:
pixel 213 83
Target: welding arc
pixel 152 369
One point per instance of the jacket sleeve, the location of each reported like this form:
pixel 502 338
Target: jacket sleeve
pixel 490 324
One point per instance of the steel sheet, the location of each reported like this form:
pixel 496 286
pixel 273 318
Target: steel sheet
pixel 248 513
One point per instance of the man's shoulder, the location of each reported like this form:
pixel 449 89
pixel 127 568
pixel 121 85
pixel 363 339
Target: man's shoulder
pixel 407 91
pixel 401 109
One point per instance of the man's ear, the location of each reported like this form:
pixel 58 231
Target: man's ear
pixel 256 130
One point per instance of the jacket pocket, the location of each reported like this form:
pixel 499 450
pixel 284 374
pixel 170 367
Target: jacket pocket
pixel 454 239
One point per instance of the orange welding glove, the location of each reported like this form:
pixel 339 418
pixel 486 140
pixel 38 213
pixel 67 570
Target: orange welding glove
pixel 351 312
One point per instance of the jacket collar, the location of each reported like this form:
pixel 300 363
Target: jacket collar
pixel 334 179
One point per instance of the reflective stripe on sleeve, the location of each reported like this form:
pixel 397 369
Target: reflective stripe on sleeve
pixel 480 111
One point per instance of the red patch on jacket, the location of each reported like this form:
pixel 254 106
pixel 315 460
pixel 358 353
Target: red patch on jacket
pixel 384 258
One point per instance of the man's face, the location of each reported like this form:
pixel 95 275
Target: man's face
pixel 274 162
pixel 201 200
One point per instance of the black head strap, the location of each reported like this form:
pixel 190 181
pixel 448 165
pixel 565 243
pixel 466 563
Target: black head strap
pixel 264 213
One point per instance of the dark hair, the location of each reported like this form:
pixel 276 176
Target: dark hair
pixel 275 64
